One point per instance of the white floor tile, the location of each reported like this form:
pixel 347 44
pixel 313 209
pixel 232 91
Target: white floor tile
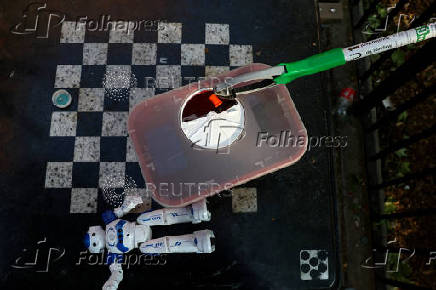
pixel 112 174
pixel 130 151
pixel 118 76
pixel 91 99
pixel 168 76
pixel 87 149
pixel 83 200
pixel 217 33
pixel 68 76
pixel 240 55
pixel 169 32
pixel 244 200
pixel 95 53
pixel 192 54
pixel 63 123
pixel 114 124
pixel 120 36
pixel 59 175
pixel 72 32
pixel 213 71
pixel 144 54
pixel 138 95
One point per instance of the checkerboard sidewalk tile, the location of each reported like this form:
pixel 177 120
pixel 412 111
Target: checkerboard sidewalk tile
pixel 217 33
pixel 91 99
pixel 144 53
pixel 59 175
pixel 130 151
pixel 120 36
pixel 95 53
pixel 84 200
pixel 87 149
pixel 63 123
pixel 72 32
pixel 244 200
pixel 96 125
pixel 137 95
pixel 112 174
pixel 211 71
pixel 118 75
pixel 168 76
pixel 114 124
pixel 68 76
pixel 240 55
pixel 169 32
pixel 193 54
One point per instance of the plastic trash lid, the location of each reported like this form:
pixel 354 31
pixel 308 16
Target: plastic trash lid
pixel 177 172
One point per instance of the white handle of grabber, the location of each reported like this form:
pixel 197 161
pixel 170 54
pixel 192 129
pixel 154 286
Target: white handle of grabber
pixel 389 42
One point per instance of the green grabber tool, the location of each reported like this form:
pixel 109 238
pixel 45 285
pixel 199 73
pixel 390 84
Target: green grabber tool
pixel 285 73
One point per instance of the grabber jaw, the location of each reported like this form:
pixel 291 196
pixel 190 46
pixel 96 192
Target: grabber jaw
pixel 229 89
pixel 227 92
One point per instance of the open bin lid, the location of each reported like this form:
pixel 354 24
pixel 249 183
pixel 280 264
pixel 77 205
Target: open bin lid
pixel 178 172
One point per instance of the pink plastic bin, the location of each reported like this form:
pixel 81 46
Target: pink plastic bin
pixel 178 173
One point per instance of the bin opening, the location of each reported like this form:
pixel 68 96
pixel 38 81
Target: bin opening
pixel 203 102
pixel 210 122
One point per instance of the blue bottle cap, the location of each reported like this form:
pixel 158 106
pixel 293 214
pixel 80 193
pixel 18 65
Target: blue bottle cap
pixel 61 99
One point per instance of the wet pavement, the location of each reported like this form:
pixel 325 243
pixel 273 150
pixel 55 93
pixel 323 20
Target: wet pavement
pixel 259 246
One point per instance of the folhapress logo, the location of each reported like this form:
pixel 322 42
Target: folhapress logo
pixel 37 20
pixel 39 258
